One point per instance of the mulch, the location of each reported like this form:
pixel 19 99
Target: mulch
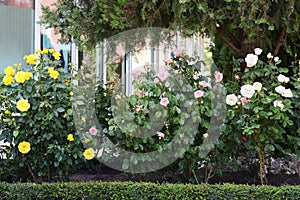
pixel 239 177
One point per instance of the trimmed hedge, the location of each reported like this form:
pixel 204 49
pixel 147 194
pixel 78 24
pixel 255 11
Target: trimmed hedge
pixel 140 191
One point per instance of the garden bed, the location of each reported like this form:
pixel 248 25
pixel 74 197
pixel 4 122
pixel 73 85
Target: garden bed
pixel 239 177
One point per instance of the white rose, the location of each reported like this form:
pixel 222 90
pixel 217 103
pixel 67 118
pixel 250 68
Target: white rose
pixel 281 78
pixel 269 56
pixel 251 60
pixel 287 93
pixel 278 104
pixel 286 79
pixel 247 91
pixel 231 99
pixel 257 51
pixel 280 89
pixel 257 86
pixel 276 59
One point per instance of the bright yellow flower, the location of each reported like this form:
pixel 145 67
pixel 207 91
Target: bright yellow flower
pixel 70 137
pixel 9 70
pixel 50 69
pixel 71 93
pixel 24 147
pixel 7 80
pixel 44 51
pixel 86 140
pixel 54 74
pixel 56 55
pixel 89 154
pixel 23 105
pixel 51 51
pixel 20 77
pixel 15 65
pixel 31 59
pixel 7 112
pixel 28 75
pixel 37 50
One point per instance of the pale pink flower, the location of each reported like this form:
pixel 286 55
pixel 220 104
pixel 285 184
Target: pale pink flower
pixel 198 94
pixel 167 84
pixel 178 52
pixel 237 77
pixel 137 72
pixel 93 131
pixel 168 61
pixel 244 100
pixel 163 75
pixel 203 84
pixel 205 135
pixel 156 80
pixel 160 135
pixel 164 101
pixel 218 77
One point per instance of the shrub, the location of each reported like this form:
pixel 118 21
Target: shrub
pixel 37 120
pixel 261 108
pixel 129 190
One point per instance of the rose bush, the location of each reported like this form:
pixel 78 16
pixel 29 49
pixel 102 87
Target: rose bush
pixel 259 111
pixel 177 102
pixel 37 119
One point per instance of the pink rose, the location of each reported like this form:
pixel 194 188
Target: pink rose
pixel 167 84
pixel 218 77
pixel 168 61
pixel 178 52
pixel 244 100
pixel 237 77
pixel 160 135
pixel 163 76
pixel 164 101
pixel 198 94
pixel 137 72
pixel 93 131
pixel 156 80
pixel 203 84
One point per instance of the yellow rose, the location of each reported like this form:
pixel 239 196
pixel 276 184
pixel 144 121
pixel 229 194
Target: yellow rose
pixel 31 59
pixel 7 112
pixel 51 51
pixel 20 77
pixel 86 140
pixel 7 80
pixel 28 75
pixel 89 154
pixel 9 71
pixel 44 51
pixel 56 55
pixel 70 137
pixel 23 105
pixel 54 74
pixel 50 69
pixel 24 147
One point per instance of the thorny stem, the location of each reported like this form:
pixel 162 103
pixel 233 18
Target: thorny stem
pixel 32 174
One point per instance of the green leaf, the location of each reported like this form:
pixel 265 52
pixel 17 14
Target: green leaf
pixel 60 109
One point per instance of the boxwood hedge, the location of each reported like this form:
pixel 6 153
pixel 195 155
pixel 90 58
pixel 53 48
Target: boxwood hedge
pixel 140 191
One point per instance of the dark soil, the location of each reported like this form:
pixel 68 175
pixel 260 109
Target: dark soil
pixel 240 177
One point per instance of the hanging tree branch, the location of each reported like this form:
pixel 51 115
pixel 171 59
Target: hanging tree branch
pixel 228 42
pixel 279 40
